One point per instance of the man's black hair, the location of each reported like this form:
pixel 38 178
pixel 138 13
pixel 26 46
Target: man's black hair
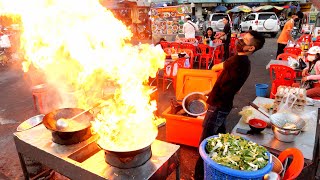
pixel 226 17
pixel 300 14
pixel 258 39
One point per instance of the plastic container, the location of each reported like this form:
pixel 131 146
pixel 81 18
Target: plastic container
pixel 215 171
pixel 181 129
pixel 261 90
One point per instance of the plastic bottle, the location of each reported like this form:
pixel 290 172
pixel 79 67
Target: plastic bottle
pixel 210 43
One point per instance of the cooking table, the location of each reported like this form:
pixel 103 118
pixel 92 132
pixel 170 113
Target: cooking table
pixel 86 161
pixel 306 142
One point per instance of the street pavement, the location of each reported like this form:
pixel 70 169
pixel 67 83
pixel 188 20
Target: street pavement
pixel 16 105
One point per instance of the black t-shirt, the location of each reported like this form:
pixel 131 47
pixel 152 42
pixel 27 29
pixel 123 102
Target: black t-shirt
pixel 227 31
pixel 234 74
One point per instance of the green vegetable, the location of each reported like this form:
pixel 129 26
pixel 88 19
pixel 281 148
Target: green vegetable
pixel 237 153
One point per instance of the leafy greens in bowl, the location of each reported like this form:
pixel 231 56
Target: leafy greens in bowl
pixel 237 153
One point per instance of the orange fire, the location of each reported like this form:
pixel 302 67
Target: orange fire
pixel 81 46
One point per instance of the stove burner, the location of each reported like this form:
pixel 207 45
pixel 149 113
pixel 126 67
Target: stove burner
pixel 129 159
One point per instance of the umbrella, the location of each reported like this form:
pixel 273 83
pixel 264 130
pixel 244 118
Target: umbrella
pixel 241 8
pixel 289 7
pixel 266 7
pixel 220 9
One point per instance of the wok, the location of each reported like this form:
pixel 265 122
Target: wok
pixel 74 130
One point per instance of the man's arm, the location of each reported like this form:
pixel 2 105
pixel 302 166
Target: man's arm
pixel 217 67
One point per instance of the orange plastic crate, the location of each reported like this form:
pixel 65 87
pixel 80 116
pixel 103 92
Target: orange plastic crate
pixel 182 129
pixel 194 80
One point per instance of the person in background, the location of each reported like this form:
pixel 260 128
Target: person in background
pixel 209 35
pixel 234 73
pixel 225 36
pixel 311 74
pixel 189 28
pixel 285 34
pixel 236 23
pixel 282 20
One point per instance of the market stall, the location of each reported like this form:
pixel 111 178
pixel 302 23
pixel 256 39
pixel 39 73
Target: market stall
pixel 167 22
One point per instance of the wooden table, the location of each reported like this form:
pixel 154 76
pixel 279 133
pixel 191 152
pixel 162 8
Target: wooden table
pixel 306 142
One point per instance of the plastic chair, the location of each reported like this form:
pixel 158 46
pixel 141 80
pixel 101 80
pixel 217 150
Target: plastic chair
pixel 280 75
pixel 315 44
pixel 191 56
pixel 175 45
pixel 199 38
pixel 232 48
pixel 206 54
pixel 292 50
pixel 296 166
pixel 191 47
pixel 164 44
pixel 170 72
pixel 284 56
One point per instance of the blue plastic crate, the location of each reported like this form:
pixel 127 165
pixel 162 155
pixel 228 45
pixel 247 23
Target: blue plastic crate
pixel 215 171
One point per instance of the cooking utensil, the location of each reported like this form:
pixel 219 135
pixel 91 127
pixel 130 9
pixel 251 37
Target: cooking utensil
pixel 195 104
pixel 77 130
pixel 30 123
pixel 279 121
pixel 259 109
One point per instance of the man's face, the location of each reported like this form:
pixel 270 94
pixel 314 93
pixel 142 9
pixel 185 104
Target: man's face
pixel 246 45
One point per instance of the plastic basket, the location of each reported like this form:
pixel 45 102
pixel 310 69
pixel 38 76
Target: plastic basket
pixel 261 90
pixel 215 171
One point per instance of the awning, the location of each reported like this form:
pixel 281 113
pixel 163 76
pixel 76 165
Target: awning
pixel 267 7
pixel 241 8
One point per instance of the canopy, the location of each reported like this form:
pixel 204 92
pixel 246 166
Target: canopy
pixel 241 8
pixel 289 7
pixel 266 7
pixel 220 9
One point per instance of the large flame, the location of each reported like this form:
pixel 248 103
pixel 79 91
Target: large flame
pixel 80 45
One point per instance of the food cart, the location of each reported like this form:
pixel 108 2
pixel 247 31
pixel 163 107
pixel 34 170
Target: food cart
pixel 167 22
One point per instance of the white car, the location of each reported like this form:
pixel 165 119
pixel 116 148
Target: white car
pixel 215 21
pixel 264 22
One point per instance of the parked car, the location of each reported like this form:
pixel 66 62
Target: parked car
pixel 264 22
pixel 215 21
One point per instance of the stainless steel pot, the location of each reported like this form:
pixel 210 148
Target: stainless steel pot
pixel 285 135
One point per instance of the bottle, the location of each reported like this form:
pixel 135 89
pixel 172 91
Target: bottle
pixel 210 42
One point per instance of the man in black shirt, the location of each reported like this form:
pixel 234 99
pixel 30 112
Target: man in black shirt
pixel 226 37
pixel 234 73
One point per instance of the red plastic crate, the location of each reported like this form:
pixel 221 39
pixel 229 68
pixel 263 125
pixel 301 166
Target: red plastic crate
pixel 181 129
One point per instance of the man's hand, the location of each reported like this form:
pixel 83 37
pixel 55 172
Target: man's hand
pixel 207 92
pixel 305 72
pixel 304 79
pixel 217 67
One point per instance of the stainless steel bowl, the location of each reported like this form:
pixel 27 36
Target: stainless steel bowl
pixel 195 104
pixel 284 135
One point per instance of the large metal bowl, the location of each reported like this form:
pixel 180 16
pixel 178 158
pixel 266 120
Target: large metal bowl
pixel 195 104
pixel 278 122
pixel 284 135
